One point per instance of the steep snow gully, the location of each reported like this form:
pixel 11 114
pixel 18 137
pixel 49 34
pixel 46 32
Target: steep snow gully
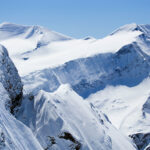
pixel 74 94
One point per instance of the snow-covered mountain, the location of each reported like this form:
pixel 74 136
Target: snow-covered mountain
pixel 72 85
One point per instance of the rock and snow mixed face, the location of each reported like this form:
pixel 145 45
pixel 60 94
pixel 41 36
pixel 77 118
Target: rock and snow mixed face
pixel 13 134
pixel 10 79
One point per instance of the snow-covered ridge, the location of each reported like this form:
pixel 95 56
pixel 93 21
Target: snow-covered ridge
pixel 133 27
pixel 43 50
pixel 51 116
pixel 126 28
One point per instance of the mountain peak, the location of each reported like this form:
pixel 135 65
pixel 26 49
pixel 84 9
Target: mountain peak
pixel 10 30
pixel 129 27
pixel 126 28
pixel 143 28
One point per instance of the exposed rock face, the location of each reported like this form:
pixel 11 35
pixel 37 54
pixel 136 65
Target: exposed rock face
pixel 75 144
pixel 10 79
pixel 141 140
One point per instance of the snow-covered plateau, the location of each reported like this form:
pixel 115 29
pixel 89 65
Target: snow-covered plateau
pixel 62 93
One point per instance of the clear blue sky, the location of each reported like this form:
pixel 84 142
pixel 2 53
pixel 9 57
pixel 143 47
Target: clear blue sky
pixel 76 18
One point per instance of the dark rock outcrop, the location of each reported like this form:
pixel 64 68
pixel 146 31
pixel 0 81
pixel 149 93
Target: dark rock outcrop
pixel 141 140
